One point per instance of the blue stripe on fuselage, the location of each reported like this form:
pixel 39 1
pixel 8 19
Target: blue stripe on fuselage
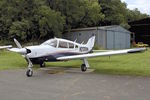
pixel 52 57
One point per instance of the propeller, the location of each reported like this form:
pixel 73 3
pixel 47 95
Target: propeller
pixel 24 52
pixel 17 43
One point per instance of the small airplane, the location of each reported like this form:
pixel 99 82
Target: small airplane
pixel 57 49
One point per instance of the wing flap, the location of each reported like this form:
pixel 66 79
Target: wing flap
pixel 109 53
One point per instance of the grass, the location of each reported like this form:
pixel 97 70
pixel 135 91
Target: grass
pixel 131 64
pixel 10 60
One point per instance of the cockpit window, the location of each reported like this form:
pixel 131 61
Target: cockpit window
pixel 52 43
pixel 63 44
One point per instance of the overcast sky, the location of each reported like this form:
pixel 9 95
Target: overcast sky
pixel 142 5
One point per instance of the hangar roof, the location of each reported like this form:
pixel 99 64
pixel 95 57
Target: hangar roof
pixel 141 26
pixel 109 28
pixel 141 22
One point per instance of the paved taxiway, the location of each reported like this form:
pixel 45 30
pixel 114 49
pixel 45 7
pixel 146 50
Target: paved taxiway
pixel 71 85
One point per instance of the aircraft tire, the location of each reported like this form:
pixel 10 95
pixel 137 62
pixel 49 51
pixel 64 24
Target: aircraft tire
pixel 83 68
pixel 29 73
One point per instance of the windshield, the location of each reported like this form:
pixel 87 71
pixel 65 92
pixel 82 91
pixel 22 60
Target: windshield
pixel 52 43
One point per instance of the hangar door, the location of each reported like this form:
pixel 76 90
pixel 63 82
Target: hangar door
pixel 116 40
pixel 110 40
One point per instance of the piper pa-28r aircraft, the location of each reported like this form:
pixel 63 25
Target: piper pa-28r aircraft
pixel 57 49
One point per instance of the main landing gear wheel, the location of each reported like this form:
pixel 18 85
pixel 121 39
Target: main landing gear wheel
pixel 42 64
pixel 29 73
pixel 83 68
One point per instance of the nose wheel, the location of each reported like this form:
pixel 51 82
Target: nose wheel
pixel 29 72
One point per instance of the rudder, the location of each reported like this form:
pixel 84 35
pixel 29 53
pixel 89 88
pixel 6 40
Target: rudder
pixel 91 42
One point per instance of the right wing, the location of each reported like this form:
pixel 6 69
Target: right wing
pixel 109 53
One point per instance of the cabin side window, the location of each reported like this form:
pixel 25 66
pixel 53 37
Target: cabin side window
pixel 63 44
pixel 76 46
pixel 71 45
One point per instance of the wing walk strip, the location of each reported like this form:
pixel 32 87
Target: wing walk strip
pixel 109 53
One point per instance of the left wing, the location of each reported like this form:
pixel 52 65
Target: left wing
pixel 5 47
pixel 109 53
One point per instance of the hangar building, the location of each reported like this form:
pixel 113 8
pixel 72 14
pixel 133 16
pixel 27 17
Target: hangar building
pixel 141 30
pixel 107 37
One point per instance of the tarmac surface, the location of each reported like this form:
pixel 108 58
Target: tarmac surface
pixel 71 84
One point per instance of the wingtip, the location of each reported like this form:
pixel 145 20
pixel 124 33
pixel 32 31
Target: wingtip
pixel 138 50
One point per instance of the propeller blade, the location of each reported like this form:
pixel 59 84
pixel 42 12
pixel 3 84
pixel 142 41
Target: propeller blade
pixel 17 43
pixel 5 47
pixel 21 51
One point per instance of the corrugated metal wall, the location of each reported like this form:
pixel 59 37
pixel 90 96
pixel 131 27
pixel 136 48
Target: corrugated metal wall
pixel 114 37
pixel 101 38
pixel 118 38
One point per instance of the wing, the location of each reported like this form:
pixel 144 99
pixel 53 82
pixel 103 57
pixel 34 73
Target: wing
pixel 4 47
pixel 109 53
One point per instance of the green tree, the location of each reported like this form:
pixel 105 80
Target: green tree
pixel 50 22
pixel 78 13
pixel 29 19
pixel 93 13
pixel 117 13
pixel 135 14
pixel 19 29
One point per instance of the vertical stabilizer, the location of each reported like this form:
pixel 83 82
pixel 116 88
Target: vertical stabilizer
pixel 91 42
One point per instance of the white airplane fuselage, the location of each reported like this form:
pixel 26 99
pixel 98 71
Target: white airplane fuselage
pixel 45 52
